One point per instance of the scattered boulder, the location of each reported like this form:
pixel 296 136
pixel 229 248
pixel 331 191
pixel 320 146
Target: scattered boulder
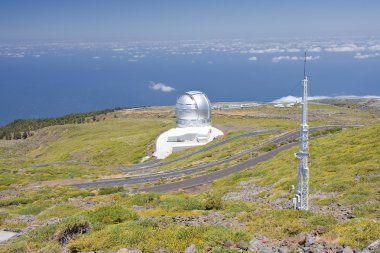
pixel 283 250
pixel 242 245
pixel 129 250
pixel 161 250
pixel 375 246
pixel 191 249
pixel 249 192
pixel 256 246
pixel 211 218
pixel 309 240
pixel 208 248
pixel 228 243
pixel 22 219
pixel 347 250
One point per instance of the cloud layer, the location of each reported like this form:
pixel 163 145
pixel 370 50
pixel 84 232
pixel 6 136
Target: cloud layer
pixel 365 56
pixel 161 87
pixel 293 99
pixel 294 58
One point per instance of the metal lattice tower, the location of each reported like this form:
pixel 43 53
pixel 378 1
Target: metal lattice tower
pixel 301 201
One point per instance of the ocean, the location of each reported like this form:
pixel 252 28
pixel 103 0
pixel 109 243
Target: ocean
pixel 50 80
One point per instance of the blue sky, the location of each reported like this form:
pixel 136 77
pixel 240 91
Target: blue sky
pixel 176 19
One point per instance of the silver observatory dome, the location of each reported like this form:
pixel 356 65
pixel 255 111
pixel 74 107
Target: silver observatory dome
pixel 193 109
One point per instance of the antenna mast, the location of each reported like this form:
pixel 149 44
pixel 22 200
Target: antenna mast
pixel 301 201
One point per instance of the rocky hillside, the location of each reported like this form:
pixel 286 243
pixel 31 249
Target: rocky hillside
pixel 248 211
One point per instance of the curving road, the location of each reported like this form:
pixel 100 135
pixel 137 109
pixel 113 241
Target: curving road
pixel 208 178
pixel 158 163
pixel 179 172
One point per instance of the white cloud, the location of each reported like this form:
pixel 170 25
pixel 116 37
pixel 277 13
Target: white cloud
pixel 293 50
pixel 365 56
pixel 17 55
pixel 374 47
pixel 266 50
pixel 344 48
pixel 139 56
pixel 118 49
pixel 253 58
pixel 294 58
pixel 315 49
pixel 161 87
pixel 96 57
pixel 288 99
pixel 293 99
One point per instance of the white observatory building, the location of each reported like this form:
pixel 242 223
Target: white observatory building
pixel 193 113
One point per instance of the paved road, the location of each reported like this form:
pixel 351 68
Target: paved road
pixel 150 165
pixel 178 172
pixel 155 163
pixel 208 178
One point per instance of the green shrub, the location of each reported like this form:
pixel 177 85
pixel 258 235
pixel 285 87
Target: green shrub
pixel 53 247
pixel 281 223
pixel 32 208
pixel 110 214
pixel 176 203
pixel 110 190
pixel 268 148
pixel 51 236
pixel 368 211
pixel 357 233
pixel 71 227
pixel 60 211
pixel 237 206
pixel 3 216
pixel 14 201
pixel 148 236
pixel 16 247
pixel 142 199
pixel 322 220
pixel 214 202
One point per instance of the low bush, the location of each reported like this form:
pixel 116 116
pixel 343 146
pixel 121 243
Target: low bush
pixel 17 247
pixel 214 202
pixel 70 228
pixel 14 201
pixel 3 216
pixel 32 208
pixel 60 211
pixel 143 199
pixel 110 190
pixel 268 148
pixel 148 235
pixel 110 214
pixel 369 211
pixel 357 233
pixel 177 203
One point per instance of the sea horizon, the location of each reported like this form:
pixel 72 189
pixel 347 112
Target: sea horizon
pixel 49 79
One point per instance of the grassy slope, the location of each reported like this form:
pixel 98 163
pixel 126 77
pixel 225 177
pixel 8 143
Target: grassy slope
pixel 342 171
pixel 344 164
pixel 110 142
pixel 105 143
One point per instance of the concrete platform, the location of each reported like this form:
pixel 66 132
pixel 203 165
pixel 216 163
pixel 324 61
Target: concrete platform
pixel 181 138
pixel 6 235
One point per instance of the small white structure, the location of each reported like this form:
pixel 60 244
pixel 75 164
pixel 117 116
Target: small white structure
pixel 193 113
pixel 6 235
